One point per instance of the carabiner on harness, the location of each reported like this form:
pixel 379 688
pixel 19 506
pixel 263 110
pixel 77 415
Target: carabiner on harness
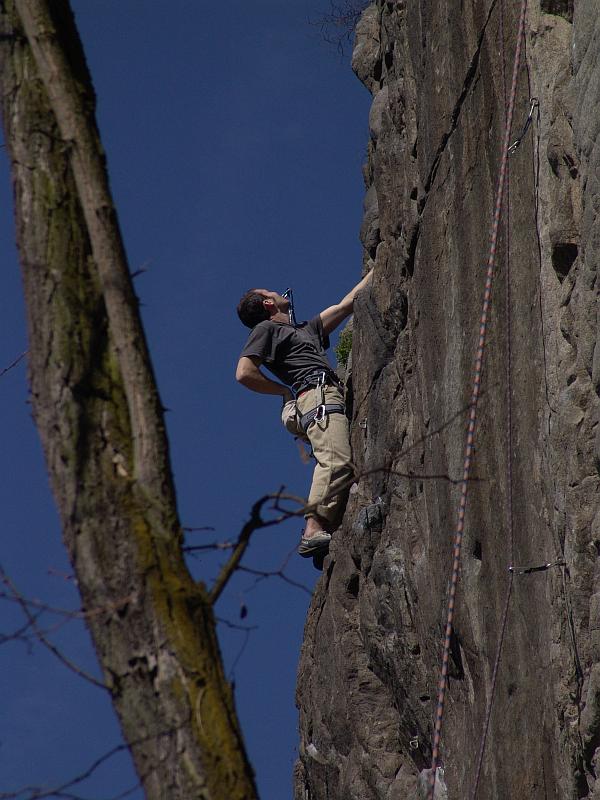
pixel 323 408
pixel 320 391
pixel 321 411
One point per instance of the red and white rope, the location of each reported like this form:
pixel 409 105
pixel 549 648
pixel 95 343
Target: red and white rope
pixel 470 439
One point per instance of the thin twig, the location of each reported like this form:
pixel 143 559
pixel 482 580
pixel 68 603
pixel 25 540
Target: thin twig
pixel 337 26
pixel 240 653
pixel 235 626
pixel 66 612
pixel 38 793
pixel 19 635
pixel 193 530
pixel 140 270
pixel 210 546
pixel 246 630
pixel 61 791
pixel 254 523
pixel 278 573
pixel 46 642
pixel 14 363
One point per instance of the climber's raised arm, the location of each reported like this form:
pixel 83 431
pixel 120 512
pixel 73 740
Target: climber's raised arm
pixel 334 315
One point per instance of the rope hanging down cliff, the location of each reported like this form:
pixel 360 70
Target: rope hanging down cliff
pixel 470 438
pixel 509 445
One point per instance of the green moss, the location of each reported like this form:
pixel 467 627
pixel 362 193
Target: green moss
pixel 344 347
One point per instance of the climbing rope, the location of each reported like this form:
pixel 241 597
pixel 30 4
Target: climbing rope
pixel 473 404
pixel 509 438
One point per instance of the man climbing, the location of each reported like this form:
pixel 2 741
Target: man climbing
pixel 312 394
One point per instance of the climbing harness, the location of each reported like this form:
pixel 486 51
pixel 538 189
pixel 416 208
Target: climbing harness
pixel 539 568
pixel 469 447
pixel 324 377
pixel 289 295
pixel 317 414
pixel 533 104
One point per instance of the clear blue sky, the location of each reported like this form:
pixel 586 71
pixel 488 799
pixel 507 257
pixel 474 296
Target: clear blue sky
pixel 235 138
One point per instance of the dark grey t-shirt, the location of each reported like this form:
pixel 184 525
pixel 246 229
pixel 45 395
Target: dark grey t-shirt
pixel 289 353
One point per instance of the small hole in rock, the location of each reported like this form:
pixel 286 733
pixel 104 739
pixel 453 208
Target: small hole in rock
pixel 353 584
pixel 477 550
pixel 563 256
pixel 560 8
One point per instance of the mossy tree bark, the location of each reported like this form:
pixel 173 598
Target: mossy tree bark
pixel 100 419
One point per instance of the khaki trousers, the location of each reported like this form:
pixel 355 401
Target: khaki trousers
pixel 330 442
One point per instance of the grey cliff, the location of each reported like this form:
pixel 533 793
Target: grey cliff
pixel 370 662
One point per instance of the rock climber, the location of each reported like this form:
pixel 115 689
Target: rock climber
pixel 312 393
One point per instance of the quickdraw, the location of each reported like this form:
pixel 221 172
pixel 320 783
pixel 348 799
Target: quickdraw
pixel 289 295
pixel 534 103
pixel 538 568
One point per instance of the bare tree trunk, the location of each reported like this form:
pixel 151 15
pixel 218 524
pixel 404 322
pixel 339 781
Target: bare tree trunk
pixel 100 420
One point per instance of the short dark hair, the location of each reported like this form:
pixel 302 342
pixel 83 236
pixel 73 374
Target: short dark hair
pixel 251 310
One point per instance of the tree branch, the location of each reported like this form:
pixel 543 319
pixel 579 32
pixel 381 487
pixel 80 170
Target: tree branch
pixel 62 790
pixel 32 620
pixel 68 613
pixel 254 523
pixel 337 26
pixel 14 363
pixel 276 573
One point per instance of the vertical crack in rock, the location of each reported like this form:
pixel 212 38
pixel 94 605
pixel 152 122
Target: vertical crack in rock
pixel 457 107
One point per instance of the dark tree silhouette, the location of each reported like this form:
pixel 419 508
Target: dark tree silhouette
pixel 100 419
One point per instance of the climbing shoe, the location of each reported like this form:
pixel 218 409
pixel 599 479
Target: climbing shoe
pixel 317 544
pixel 319 560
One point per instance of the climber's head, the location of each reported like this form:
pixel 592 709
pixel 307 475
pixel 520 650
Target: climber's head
pixel 261 304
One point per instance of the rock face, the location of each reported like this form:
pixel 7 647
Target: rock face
pixel 371 658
